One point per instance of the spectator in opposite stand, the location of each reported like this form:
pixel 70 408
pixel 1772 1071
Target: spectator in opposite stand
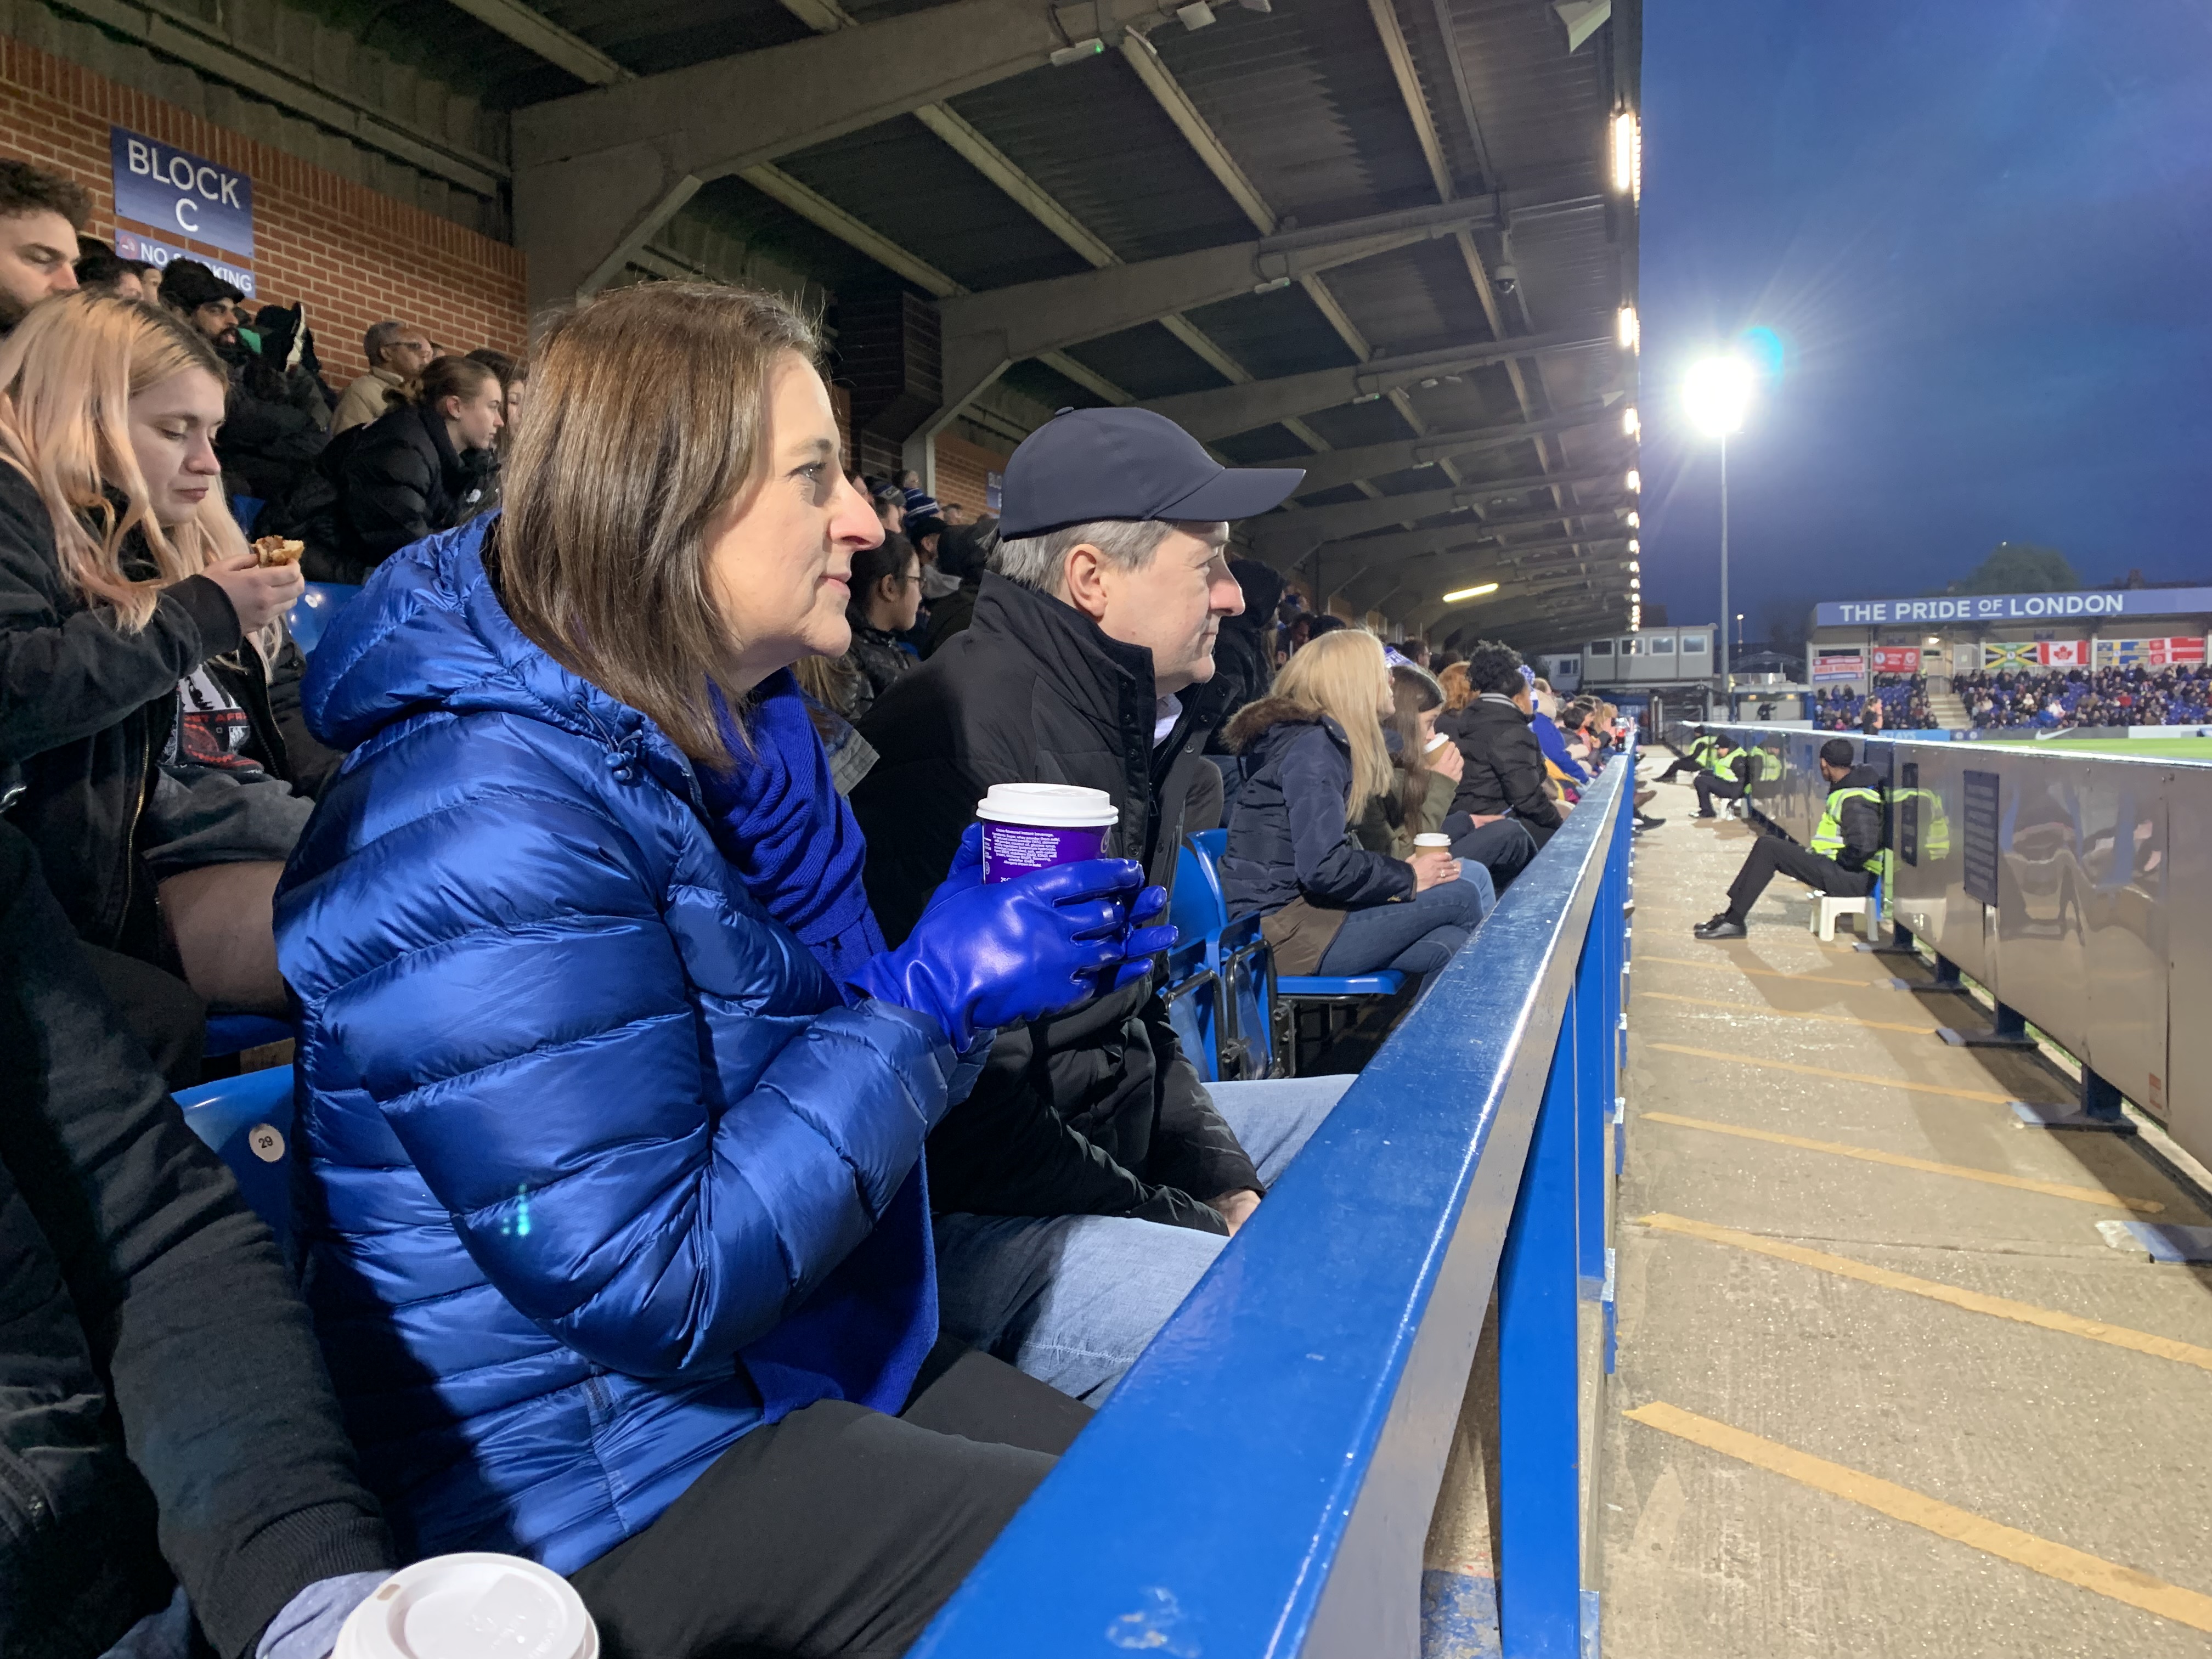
pixel 1315 757
pixel 161 1395
pixel 396 353
pixel 615 1101
pixel 133 623
pixel 411 473
pixel 41 215
pixel 1090 662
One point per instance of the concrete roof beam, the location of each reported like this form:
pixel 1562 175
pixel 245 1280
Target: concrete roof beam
pixel 1345 466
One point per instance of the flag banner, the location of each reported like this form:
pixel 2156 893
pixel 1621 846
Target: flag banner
pixel 2011 653
pixel 1896 660
pixel 2150 654
pixel 2065 653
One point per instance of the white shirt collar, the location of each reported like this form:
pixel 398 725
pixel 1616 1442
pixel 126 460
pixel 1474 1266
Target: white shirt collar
pixel 1166 712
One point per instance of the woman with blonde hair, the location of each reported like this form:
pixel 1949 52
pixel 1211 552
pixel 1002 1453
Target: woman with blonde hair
pixel 1315 755
pixel 130 610
pixel 617 1227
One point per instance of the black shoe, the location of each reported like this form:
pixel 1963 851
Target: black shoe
pixel 1709 815
pixel 1722 925
pixel 1645 821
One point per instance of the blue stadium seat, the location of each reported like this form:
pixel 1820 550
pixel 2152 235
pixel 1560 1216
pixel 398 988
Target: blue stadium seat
pixel 245 509
pixel 1194 1006
pixel 231 1034
pixel 247 1120
pixel 312 611
pixel 1280 994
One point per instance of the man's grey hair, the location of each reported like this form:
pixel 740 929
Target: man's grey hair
pixel 379 336
pixel 1041 562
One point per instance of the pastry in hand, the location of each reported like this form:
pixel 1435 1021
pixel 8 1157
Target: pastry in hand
pixel 274 550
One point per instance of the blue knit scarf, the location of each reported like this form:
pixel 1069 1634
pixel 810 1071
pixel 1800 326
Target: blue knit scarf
pixel 789 834
pixel 863 1334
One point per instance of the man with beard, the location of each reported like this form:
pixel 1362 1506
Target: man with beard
pixel 40 215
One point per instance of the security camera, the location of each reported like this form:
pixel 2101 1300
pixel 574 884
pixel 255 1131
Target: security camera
pixel 1506 279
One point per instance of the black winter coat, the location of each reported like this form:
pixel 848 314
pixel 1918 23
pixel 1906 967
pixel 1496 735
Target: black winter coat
pixel 270 435
pixel 1504 766
pixel 85 709
pixel 1287 836
pixel 1859 821
pixel 1097 1112
pixel 399 481
pixel 1243 666
pixel 164 1413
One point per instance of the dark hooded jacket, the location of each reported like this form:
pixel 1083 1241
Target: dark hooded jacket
pixel 1288 839
pixel 1504 765
pixel 1097 1112
pixel 399 480
pixel 1244 651
pixel 85 710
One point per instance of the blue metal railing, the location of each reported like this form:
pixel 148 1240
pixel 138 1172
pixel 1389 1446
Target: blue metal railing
pixel 1263 1479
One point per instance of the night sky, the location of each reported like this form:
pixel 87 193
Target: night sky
pixel 1984 231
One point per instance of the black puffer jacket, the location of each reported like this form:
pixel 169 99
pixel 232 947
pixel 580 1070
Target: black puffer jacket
pixel 400 480
pixel 1504 766
pixel 1098 1112
pixel 85 709
pixel 164 1413
pixel 275 425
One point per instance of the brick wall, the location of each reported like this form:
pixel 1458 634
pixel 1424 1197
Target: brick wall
pixel 960 469
pixel 354 256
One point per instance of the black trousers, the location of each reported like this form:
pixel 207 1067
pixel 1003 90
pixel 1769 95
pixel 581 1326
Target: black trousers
pixel 1711 788
pixel 1772 853
pixel 1679 763
pixel 1503 848
pixel 164 1013
pixel 839 1530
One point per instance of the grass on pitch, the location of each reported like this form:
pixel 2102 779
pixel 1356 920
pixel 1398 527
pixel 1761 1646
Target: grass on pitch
pixel 2183 749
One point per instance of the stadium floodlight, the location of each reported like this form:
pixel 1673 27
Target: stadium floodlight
pixel 1630 423
pixel 1470 592
pixel 1630 331
pixel 1634 482
pixel 1715 394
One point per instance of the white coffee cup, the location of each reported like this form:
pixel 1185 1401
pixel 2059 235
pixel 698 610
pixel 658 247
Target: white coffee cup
pixel 471 1606
pixel 1437 740
pixel 1432 842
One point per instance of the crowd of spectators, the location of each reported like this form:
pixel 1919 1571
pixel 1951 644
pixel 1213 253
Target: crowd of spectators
pixel 2179 696
pixel 710 1182
pixel 1901 699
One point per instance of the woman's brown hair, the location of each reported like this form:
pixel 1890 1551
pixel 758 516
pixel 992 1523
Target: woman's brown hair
pixel 1414 692
pixel 647 409
pixel 452 377
pixel 1459 690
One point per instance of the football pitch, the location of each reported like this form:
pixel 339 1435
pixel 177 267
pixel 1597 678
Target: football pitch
pixel 2180 749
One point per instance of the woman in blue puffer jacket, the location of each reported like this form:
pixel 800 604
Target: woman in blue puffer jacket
pixel 616 1231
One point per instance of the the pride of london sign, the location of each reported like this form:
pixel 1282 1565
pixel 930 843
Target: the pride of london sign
pixel 2015 607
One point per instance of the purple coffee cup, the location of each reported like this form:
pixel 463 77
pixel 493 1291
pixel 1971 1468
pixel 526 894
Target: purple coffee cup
pixel 1034 826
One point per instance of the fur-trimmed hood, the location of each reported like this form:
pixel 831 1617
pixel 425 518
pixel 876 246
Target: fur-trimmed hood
pixel 1255 719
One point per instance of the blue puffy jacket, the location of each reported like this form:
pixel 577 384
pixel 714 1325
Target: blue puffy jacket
pixel 598 1155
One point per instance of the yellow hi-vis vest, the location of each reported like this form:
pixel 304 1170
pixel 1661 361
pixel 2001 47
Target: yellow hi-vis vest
pixel 1721 758
pixel 1702 748
pixel 1828 834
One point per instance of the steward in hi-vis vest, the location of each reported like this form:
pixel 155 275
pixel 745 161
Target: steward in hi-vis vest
pixel 1728 771
pixel 1846 858
pixel 1691 758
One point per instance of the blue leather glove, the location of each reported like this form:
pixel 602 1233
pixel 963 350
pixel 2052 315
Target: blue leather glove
pixel 983 957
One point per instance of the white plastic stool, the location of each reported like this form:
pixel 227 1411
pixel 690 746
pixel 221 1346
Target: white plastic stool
pixel 1827 907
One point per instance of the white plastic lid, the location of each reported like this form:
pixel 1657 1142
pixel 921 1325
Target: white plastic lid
pixel 471 1606
pixel 1053 805
pixel 1431 839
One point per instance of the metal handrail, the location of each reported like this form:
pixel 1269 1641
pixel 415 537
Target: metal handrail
pixel 1263 1479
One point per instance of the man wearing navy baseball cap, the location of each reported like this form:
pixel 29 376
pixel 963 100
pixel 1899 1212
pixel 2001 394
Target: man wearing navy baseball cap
pixel 1091 1178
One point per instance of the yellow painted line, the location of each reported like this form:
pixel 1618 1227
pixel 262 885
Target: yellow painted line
pixel 1765 973
pixel 1839 1077
pixel 2053 1561
pixel 1791 1013
pixel 1997 1307
pixel 1898 1160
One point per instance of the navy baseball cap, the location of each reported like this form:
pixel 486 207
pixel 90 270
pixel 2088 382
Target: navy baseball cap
pixel 1089 464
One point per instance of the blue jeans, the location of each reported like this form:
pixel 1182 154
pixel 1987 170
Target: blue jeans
pixel 1072 1299
pixel 1418 935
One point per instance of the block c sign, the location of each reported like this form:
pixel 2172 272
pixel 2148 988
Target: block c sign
pixel 182 194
